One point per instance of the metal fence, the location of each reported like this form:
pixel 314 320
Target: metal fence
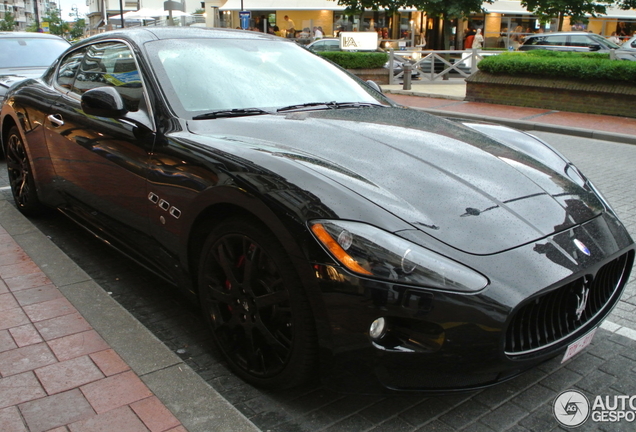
pixel 434 65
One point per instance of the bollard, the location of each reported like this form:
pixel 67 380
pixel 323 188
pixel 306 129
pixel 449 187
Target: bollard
pixel 407 68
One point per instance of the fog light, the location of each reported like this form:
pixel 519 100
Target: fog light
pixel 377 328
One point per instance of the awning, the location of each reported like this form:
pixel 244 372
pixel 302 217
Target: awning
pixel 506 7
pixel 235 5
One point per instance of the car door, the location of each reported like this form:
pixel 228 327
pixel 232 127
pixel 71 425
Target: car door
pixel 100 163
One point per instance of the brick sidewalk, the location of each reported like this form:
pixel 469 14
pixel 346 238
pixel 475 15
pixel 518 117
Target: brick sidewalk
pixel 56 373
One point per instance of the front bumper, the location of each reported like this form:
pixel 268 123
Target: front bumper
pixel 442 341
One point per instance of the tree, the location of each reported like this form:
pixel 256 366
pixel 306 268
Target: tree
pixel 78 28
pixel 8 23
pixel 57 25
pixel 575 9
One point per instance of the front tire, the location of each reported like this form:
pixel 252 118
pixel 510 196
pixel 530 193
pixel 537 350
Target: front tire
pixel 21 176
pixel 255 305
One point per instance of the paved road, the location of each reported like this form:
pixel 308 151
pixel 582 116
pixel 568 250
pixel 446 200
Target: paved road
pixel 523 404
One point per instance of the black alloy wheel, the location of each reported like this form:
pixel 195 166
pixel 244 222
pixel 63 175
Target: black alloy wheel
pixel 253 301
pixel 21 175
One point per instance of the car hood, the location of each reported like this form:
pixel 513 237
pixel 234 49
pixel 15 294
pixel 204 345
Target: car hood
pixel 462 187
pixel 10 76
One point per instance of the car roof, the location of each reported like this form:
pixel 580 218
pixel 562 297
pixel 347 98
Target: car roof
pixel 22 34
pixel 570 33
pixel 145 34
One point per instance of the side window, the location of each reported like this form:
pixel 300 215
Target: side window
pixel 111 64
pixel 558 40
pixel 68 68
pixel 580 41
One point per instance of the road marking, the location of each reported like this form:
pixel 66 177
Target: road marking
pixel 619 329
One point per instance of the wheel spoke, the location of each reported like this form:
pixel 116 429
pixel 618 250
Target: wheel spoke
pixel 271 339
pixel 220 296
pixel 225 259
pixel 271 299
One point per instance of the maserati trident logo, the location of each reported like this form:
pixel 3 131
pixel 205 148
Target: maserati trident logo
pixel 581 301
pixel 581 246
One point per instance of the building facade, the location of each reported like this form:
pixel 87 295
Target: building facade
pixel 24 11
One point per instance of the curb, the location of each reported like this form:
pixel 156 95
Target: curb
pixel 191 400
pixel 421 94
pixel 542 127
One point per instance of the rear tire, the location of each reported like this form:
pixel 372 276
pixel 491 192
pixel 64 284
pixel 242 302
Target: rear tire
pixel 21 176
pixel 255 306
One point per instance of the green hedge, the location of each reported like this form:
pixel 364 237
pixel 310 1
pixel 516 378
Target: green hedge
pixel 581 66
pixel 356 60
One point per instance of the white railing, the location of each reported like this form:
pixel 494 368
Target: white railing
pixel 433 65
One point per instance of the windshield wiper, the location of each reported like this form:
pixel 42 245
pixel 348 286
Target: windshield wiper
pixel 236 112
pixel 329 105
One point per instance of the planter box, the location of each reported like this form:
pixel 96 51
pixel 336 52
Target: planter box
pixel 610 98
pixel 379 75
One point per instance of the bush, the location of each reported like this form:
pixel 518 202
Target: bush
pixel 356 60
pixel 580 66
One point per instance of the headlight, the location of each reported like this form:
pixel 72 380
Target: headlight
pixel 372 252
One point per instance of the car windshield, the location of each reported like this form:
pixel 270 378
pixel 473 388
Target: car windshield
pixel 207 75
pixel 26 52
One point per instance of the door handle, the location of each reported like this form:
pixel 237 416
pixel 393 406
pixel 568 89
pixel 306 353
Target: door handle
pixel 56 119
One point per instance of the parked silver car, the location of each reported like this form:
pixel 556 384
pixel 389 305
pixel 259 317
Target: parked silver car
pixel 627 51
pixel 568 41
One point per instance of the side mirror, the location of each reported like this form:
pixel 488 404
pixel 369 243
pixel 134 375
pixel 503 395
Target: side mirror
pixel 595 47
pixel 374 85
pixel 103 102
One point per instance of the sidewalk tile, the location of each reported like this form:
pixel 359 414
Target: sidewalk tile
pixel 13 318
pixel 68 374
pixel 62 326
pixel 18 269
pixel 8 259
pixel 120 420
pixel 154 414
pixel 25 359
pixel 20 388
pixel 3 287
pixel 6 341
pixel 49 309
pixel 32 280
pixel 115 391
pixel 7 301
pixel 178 429
pixel 25 335
pixel 57 410
pixel 37 295
pixel 9 247
pixel 77 345
pixel 109 362
pixel 11 420
pixel 59 429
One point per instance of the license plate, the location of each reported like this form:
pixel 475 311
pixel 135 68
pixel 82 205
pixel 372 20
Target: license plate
pixel 578 346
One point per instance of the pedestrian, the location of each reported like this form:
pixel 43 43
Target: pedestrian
pixel 291 27
pixel 478 40
pixel 517 37
pixel 468 38
pixel 614 38
pixel 318 34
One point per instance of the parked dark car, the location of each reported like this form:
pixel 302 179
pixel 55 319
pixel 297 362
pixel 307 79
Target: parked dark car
pixel 320 226
pixel 26 55
pixel 627 51
pixel 568 41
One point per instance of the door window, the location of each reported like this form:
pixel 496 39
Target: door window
pixel 68 68
pixel 111 64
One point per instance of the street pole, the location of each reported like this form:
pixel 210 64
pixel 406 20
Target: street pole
pixel 121 12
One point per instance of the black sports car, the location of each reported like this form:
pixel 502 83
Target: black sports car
pixel 320 226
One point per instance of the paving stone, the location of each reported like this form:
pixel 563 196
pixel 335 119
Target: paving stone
pixel 425 411
pixel 19 388
pixel 583 364
pixel 541 420
pixel 389 407
pixel 495 396
pixel 57 410
pixel 68 374
pixel 11 420
pixel 7 301
pixel 13 318
pixel 49 309
pixel 618 366
pixel 109 362
pixel 37 295
pixel 399 425
pixel 28 281
pixel 535 396
pixel 77 345
pixel 464 414
pixel 561 379
pixel 62 326
pixel 354 423
pixel 18 269
pixel 120 420
pixel 25 359
pixel 504 417
pixel 595 381
pixel 25 335
pixel 115 391
pixel 154 414
pixel 6 341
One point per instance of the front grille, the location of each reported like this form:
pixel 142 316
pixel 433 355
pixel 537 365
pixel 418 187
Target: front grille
pixel 554 316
